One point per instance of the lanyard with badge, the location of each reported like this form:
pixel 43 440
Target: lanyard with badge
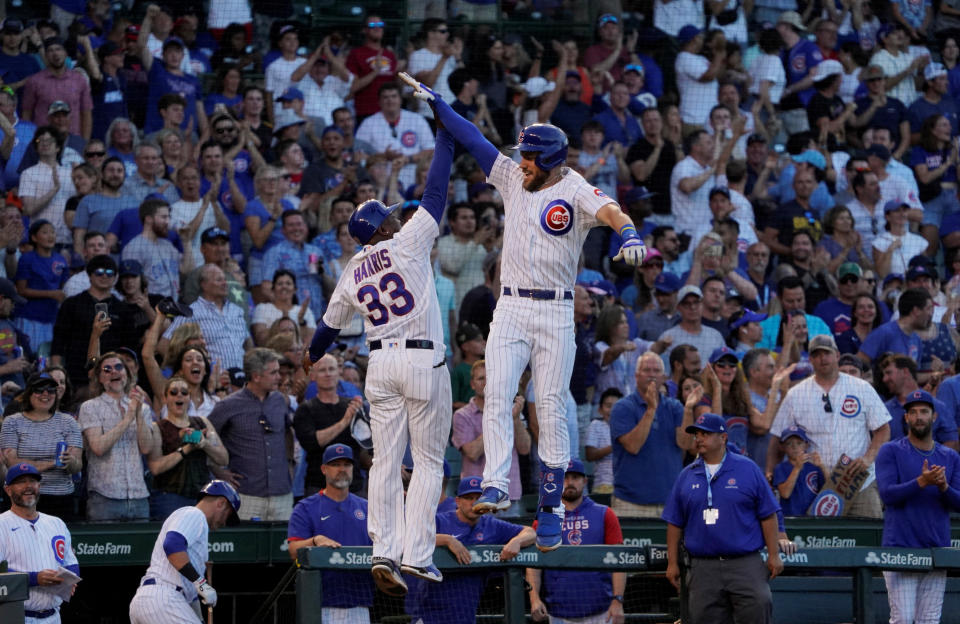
pixel 712 514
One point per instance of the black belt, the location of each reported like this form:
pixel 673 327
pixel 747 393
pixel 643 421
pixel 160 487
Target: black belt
pixel 536 293
pixel 40 615
pixel 153 581
pixel 726 557
pixel 410 344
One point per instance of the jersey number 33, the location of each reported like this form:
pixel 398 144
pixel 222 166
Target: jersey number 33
pixel 401 299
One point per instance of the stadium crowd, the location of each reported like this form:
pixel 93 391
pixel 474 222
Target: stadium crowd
pixel 177 187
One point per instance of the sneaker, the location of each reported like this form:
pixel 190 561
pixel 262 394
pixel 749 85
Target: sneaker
pixel 429 573
pixel 549 528
pixel 386 575
pixel 492 499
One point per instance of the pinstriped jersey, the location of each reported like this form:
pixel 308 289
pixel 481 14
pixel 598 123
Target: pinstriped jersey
pixel 34 546
pixel 543 232
pixel 192 525
pixel 391 285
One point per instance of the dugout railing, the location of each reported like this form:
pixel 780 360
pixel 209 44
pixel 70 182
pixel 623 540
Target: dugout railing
pixel 861 562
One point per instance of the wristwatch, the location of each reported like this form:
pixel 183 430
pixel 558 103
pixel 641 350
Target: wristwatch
pixel 618 598
pixel 180 450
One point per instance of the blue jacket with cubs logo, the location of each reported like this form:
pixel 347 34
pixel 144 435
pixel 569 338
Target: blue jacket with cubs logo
pixel 572 594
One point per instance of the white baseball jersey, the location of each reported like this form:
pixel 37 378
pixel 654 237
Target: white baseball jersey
pixel 410 136
pixel 34 546
pixel 391 285
pixel 192 525
pixel 856 410
pixel 543 232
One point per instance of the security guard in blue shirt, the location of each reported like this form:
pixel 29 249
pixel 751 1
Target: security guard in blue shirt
pixel 723 509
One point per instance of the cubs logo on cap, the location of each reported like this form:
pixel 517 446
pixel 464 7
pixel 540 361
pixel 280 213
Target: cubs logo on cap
pixel 470 485
pixel 711 423
pixel 557 218
pixel 337 451
pixel 20 470
pixel 918 396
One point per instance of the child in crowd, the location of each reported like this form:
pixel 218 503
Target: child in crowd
pixel 598 444
pixel 799 477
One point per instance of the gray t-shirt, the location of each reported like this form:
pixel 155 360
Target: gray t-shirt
pixel 706 341
pixel 37 441
pixel 161 264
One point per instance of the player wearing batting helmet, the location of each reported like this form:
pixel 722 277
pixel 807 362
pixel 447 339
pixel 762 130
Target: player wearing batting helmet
pixel 173 588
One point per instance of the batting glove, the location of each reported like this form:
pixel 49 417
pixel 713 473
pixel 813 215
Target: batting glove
pixel 420 90
pixel 208 595
pixel 633 251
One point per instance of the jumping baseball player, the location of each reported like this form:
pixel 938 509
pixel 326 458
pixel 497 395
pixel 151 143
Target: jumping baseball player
pixel 36 543
pixel 390 282
pixel 549 210
pixel 919 483
pixel 173 588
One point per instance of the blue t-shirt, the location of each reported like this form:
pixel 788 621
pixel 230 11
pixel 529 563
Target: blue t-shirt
pixel 255 208
pixel 921 109
pixel 126 226
pixel 933 160
pixel 944 427
pixel 97 212
pixel 915 517
pixel 837 315
pixel 163 82
pixel 432 602
pixel 626 133
pixel 799 61
pixel 109 103
pixel 22 141
pixel 888 116
pixel 41 273
pixel 647 477
pixel 806 489
pixel 344 522
pixel 742 497
pixel 889 337
pixel 17 67
pixel 210 102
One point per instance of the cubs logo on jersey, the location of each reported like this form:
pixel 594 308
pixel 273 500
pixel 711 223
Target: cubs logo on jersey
pixel 851 407
pixel 408 138
pixel 59 545
pixel 557 218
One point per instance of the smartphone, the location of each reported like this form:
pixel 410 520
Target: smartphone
pixel 102 310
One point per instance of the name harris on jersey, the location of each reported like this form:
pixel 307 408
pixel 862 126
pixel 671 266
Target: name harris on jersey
pixel 371 265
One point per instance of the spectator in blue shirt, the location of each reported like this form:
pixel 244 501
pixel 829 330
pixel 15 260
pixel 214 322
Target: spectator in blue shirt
pixel 900 377
pixel 799 477
pixel 619 124
pixel 303 259
pixel 899 336
pixel 41 274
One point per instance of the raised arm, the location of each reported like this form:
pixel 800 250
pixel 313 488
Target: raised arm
pixel 434 198
pixel 468 134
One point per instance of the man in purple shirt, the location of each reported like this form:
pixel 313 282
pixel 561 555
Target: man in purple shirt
pixel 54 83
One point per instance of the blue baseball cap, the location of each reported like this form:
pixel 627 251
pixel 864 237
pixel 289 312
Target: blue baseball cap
pixel 337 451
pixel 576 466
pixel 711 423
pixel 811 157
pixel 749 316
pixel 687 33
pixel 918 396
pixel 470 485
pixel 890 206
pixel 722 352
pixel 796 431
pixel 20 470
pixel 666 282
pixel 290 94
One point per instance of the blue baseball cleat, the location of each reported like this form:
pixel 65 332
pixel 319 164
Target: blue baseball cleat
pixel 387 576
pixel 429 573
pixel 492 499
pixel 549 525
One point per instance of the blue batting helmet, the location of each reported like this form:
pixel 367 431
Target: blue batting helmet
pixel 547 139
pixel 369 216
pixel 218 487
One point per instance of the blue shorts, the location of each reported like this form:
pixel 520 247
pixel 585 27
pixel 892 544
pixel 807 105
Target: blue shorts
pixel 937 208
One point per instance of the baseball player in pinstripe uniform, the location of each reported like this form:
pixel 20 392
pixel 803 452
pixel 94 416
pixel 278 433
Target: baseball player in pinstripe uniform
pixel 549 210
pixel 35 543
pixel 172 589
pixel 919 482
pixel 390 282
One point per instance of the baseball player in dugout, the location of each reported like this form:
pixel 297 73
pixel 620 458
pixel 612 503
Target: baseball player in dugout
pixel 724 512
pixel 35 543
pixel 334 517
pixel 582 597
pixel 549 211
pixel 174 589
pixel 390 283
pixel 919 483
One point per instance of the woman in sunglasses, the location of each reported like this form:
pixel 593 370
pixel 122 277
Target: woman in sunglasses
pixel 36 436
pixel 179 462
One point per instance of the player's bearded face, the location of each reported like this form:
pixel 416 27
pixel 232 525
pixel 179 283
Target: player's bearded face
pixel 533 176
pixel 920 420
pixel 24 493
pixel 572 489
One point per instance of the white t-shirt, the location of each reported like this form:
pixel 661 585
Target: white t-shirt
pixel 267 313
pixel 598 436
pixel 425 60
pixel 410 135
pixel 693 210
pixel 893 65
pixel 895 188
pixel 912 245
pixel 225 12
pixel 769 67
pixel 37 181
pixel 321 101
pixel 673 15
pixel 279 72
pixel 696 98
